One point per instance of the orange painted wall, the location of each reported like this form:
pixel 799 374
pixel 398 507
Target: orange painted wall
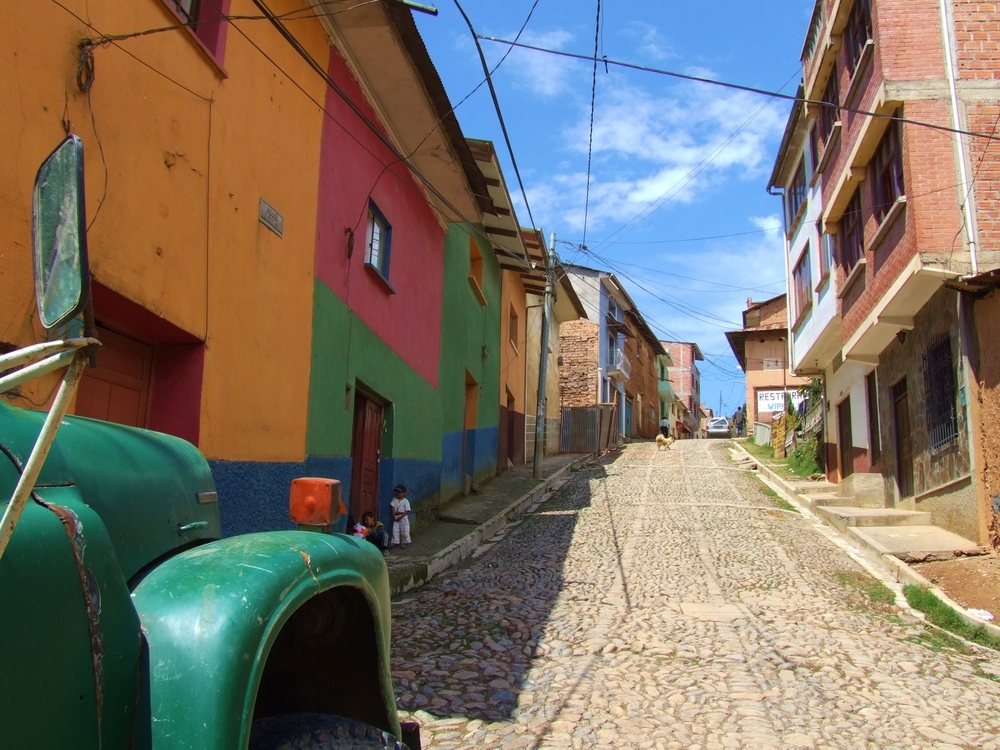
pixel 189 150
pixel 512 359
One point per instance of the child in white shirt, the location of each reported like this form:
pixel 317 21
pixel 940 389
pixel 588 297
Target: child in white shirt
pixel 400 516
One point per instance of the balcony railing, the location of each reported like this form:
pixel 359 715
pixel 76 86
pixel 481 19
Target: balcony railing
pixel 619 367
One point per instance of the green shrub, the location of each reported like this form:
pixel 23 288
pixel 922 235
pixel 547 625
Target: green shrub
pixel 803 461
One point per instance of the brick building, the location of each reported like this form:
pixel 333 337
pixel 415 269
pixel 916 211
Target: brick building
pixel 900 216
pixel 609 358
pixel 579 371
pixel 686 382
pixel 642 395
pixel 761 349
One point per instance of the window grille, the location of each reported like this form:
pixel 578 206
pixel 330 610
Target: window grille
pixel 939 381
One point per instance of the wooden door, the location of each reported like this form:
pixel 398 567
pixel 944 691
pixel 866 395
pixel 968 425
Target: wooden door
pixel 511 433
pixel 118 389
pixel 365 452
pixel 846 438
pixel 904 446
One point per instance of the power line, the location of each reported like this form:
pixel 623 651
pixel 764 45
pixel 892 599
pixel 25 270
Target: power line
pixel 739 87
pixel 590 139
pixel 353 106
pixel 686 239
pixel 496 106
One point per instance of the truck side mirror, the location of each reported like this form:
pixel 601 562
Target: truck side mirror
pixel 59 235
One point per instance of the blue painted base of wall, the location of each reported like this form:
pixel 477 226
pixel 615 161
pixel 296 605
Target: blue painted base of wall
pixel 481 448
pixel 423 486
pixel 253 495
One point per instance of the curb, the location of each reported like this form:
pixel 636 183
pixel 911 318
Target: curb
pixel 419 573
pixel 898 570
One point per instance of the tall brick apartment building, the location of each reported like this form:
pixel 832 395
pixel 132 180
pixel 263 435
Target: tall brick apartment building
pixel 686 382
pixel 891 228
pixel 610 357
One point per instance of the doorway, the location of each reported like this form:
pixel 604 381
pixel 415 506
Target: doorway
pixel 904 446
pixel 366 449
pixel 117 390
pixel 469 426
pixel 511 432
pixel 846 438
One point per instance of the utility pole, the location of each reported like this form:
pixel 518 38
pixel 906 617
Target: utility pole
pixel 543 360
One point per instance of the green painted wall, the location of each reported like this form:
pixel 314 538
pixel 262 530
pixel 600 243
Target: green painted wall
pixel 415 420
pixel 466 326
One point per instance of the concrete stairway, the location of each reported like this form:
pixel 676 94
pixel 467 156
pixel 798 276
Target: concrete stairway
pixel 856 508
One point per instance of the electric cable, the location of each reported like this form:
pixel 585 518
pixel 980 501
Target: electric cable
pixel 496 106
pixel 740 87
pixel 590 139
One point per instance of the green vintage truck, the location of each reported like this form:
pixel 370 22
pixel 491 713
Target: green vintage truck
pixel 125 620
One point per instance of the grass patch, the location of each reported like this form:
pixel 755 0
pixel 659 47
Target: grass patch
pixel 876 591
pixel 763 452
pixel 937 641
pixel 945 617
pixel 777 499
pixel 801 463
pixel 784 504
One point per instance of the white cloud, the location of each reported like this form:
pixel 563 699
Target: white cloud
pixel 541 73
pixel 649 150
pixel 649 43
pixel 770 224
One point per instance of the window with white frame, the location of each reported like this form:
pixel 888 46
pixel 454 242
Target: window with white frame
pixel 795 195
pixel 852 233
pixel 378 241
pixel 802 285
pixel 826 252
pixel 887 172
pixel 857 32
pixel 829 114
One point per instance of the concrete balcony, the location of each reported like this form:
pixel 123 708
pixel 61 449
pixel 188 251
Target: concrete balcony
pixel 667 391
pixel 619 367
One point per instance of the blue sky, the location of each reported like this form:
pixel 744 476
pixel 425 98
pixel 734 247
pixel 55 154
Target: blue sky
pixel 672 160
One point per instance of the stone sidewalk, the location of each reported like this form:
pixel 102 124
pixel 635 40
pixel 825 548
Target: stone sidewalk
pixel 464 524
pixel 887 548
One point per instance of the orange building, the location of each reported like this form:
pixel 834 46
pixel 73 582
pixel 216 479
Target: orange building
pixel 761 348
pixel 202 157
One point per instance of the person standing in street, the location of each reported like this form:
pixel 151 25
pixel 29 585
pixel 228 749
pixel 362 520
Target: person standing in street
pixel 400 517
pixel 738 421
pixel 665 427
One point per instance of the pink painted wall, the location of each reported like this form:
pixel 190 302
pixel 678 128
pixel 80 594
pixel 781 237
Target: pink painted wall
pixel 353 161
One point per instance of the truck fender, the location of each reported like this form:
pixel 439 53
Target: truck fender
pixel 264 624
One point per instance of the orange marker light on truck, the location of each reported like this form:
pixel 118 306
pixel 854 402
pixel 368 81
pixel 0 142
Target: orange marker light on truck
pixel 315 502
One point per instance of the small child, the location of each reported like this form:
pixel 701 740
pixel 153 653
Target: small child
pixel 401 517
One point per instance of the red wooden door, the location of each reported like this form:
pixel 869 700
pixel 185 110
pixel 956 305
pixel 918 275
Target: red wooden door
pixel 118 389
pixel 365 452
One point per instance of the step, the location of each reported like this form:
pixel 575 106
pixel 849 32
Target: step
pixel 813 488
pixel 914 541
pixel 844 516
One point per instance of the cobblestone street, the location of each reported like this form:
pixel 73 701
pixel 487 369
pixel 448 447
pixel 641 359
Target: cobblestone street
pixel 663 599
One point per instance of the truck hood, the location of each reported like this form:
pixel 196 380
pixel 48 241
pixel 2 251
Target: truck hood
pixel 154 492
